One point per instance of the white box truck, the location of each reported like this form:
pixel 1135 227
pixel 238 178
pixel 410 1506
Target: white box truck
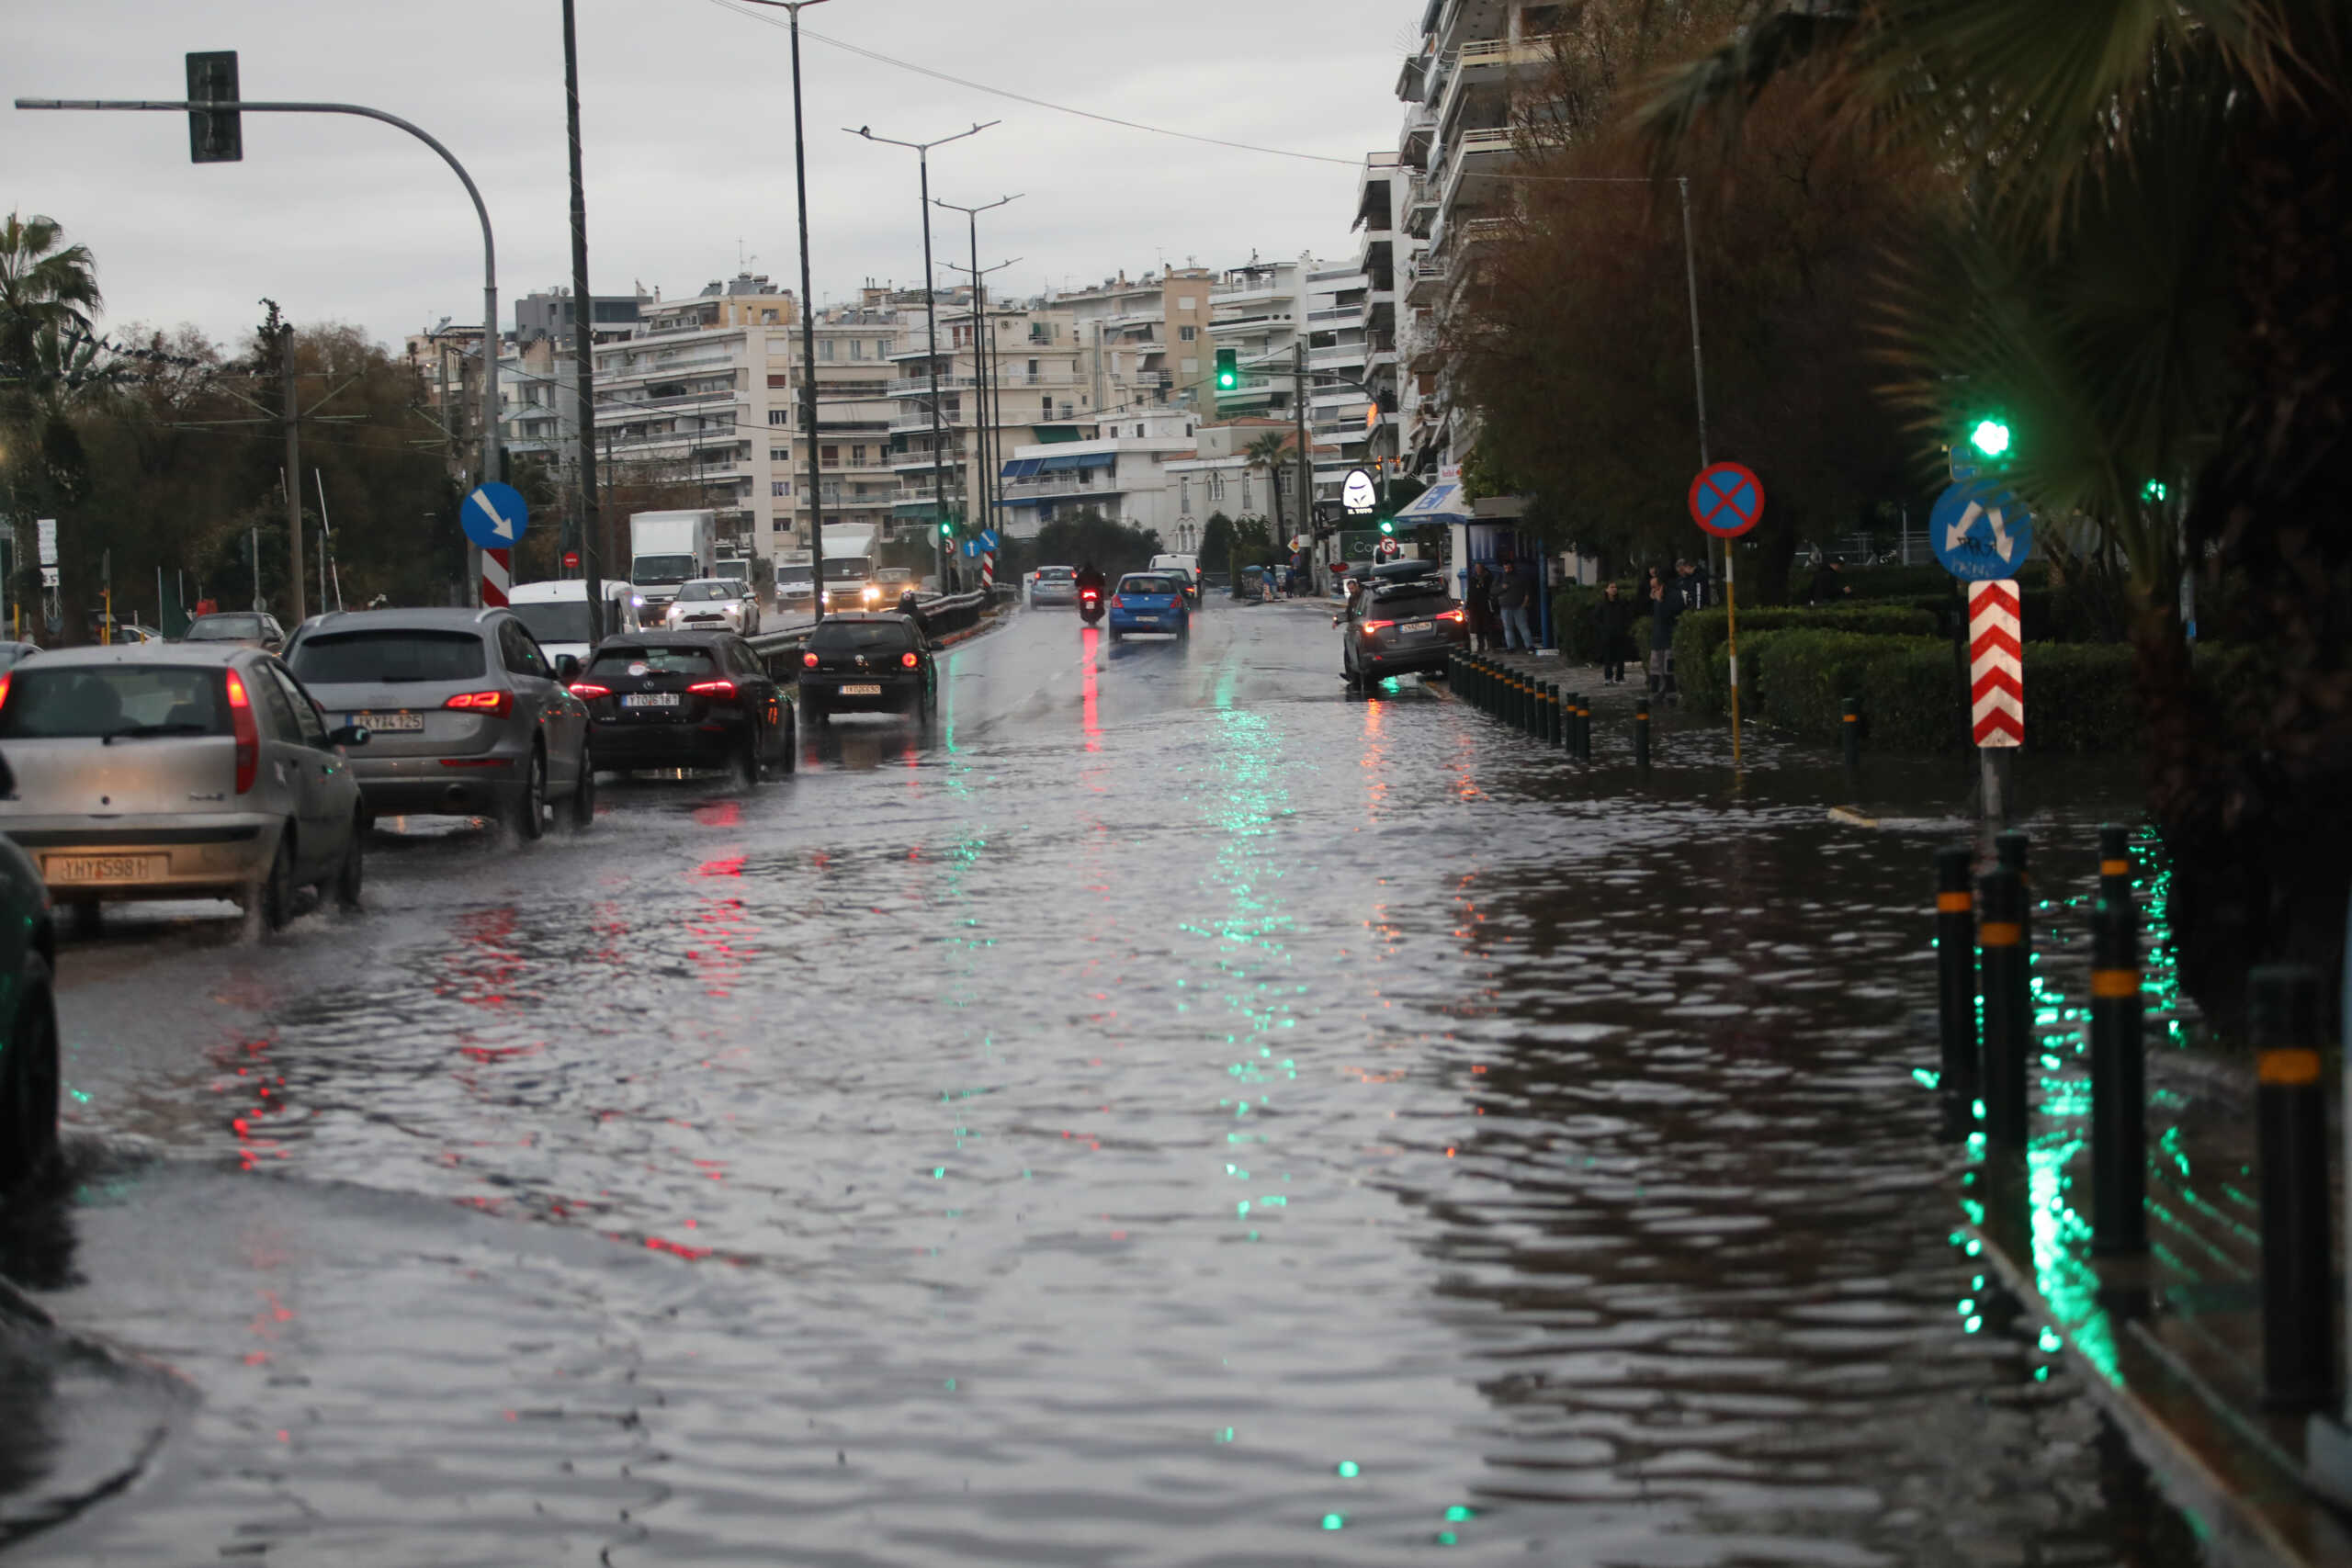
pixel 667 548
pixel 848 571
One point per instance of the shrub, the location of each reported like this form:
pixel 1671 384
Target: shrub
pixel 1704 671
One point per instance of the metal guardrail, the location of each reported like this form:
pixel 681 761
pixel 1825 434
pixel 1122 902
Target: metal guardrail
pixel 942 614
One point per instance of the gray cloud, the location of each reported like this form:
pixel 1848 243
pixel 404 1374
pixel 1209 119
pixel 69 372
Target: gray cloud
pixel 687 111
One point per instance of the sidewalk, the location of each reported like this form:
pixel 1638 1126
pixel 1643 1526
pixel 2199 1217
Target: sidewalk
pixel 2169 1343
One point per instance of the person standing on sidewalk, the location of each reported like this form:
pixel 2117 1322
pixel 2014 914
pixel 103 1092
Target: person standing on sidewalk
pixel 1479 606
pixel 1665 608
pixel 1613 625
pixel 1511 598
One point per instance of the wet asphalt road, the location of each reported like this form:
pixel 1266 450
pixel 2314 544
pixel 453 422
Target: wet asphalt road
pixel 1171 1113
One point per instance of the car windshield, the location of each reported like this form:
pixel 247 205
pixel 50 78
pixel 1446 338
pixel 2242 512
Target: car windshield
pixel 651 661
pixel 1148 585
pixel 702 593
pixel 112 701
pixel 558 620
pixel 662 568
pixel 861 636
pixel 393 656
pixel 842 569
pixel 789 576
pixel 224 629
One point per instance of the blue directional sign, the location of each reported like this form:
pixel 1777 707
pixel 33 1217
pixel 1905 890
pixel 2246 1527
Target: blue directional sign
pixel 494 517
pixel 1980 533
pixel 987 539
pixel 972 548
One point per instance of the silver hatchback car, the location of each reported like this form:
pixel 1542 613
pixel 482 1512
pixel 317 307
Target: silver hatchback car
pixel 466 716
pixel 170 771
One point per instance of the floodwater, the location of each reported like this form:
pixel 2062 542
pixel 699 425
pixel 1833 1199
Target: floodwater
pixel 1169 1113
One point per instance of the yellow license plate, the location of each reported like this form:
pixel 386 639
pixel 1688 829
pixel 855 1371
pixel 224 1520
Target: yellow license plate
pixel 105 868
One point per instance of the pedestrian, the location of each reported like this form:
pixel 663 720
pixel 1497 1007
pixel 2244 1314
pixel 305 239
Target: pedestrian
pixel 1690 581
pixel 1665 608
pixel 1511 597
pixel 1829 584
pixel 1613 628
pixel 1479 606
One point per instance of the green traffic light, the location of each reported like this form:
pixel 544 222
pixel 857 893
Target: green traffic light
pixel 1990 437
pixel 2153 491
pixel 1388 526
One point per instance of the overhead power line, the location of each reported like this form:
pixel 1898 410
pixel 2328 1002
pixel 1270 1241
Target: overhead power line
pixel 882 58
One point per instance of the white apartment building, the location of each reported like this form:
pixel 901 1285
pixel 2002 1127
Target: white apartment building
pixel 1125 473
pixel 857 408
pixel 1144 343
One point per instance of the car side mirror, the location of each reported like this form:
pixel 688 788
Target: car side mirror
pixel 349 735
pixel 272 644
pixel 567 668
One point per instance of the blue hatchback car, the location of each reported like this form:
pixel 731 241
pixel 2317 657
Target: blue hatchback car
pixel 1150 601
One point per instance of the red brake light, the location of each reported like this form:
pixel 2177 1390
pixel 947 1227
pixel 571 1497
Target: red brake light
pixel 6 676
pixel 248 734
pixel 498 705
pixel 1371 627
pixel 808 660
pixel 714 688
pixel 1451 616
pixel 590 688
pixel 1118 602
pixel 907 659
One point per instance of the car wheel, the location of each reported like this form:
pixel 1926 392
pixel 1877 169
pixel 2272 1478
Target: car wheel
pixel 349 878
pixel 29 1079
pixel 531 809
pixel 744 770
pixel 791 763
pixel 276 898
pixel 580 815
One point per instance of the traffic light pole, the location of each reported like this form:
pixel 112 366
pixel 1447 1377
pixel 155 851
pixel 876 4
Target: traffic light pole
pixel 489 247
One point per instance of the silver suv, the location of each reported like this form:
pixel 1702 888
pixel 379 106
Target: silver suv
pixel 466 716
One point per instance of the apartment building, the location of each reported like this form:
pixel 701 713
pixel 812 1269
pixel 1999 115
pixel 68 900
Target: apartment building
pixel 553 313
pixel 1038 385
pixel 1147 342
pixel 1123 472
pixel 1219 476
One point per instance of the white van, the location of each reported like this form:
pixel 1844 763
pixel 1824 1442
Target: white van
pixel 1189 565
pixel 557 614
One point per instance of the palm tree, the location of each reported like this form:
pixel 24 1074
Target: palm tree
pixel 2145 268
pixel 1270 454
pixel 44 290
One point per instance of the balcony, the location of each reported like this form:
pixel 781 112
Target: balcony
pixel 1427 286
pixel 1488 62
pixel 1059 484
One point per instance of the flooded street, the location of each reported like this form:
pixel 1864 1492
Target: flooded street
pixel 1169 1113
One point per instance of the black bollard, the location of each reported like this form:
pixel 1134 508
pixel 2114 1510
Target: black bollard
pixel 2119 1085
pixel 2290 1119
pixel 2004 974
pixel 1583 728
pixel 1956 970
pixel 1552 714
pixel 1641 732
pixel 2115 864
pixel 2010 849
pixel 1852 727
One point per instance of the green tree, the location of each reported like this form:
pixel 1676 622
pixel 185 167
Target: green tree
pixel 1271 455
pixel 46 289
pixel 1088 535
pixel 2143 269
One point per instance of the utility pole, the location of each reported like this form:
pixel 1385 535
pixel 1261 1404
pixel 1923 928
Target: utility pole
pixel 931 316
pixel 583 348
pixel 980 423
pixel 293 468
pixel 1305 449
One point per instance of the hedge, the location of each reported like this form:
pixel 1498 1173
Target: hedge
pixel 1699 637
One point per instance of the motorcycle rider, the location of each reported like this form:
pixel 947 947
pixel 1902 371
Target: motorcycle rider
pixel 1090 576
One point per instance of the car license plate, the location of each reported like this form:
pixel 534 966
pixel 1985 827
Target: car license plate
pixel 861 691
pixel 1418 626
pixel 651 700
pixel 1147 620
pixel 389 722
pixel 104 868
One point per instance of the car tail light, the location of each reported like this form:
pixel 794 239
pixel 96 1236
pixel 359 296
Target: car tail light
pixel 907 659
pixel 1118 602
pixel 590 688
pixel 1451 616
pixel 248 734
pixel 498 705
pixel 1371 627
pixel 714 689
pixel 808 662
pixel 6 676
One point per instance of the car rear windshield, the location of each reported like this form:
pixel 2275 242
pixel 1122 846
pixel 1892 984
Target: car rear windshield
pixel 1163 585
pixel 398 657
pixel 698 593
pixel 861 636
pixel 1402 595
pixel 224 628
pixel 117 700
pixel 652 660
pixel 561 620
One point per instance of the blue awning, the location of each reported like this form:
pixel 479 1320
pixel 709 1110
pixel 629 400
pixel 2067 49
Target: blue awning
pixel 1438 503
pixel 1022 467
pixel 1077 460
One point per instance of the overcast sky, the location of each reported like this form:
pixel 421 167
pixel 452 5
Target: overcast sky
pixel 687 118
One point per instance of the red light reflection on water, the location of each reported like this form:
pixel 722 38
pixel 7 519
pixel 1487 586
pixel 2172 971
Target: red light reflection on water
pixel 721 814
pixel 1088 641
pixel 732 866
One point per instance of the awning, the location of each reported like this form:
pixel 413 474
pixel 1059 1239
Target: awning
pixel 1438 503
pixel 1077 460
pixel 1022 467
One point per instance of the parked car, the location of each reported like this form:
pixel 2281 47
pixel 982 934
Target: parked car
pixel 1054 585
pixel 867 661
pixel 251 628
pixel 1150 601
pixel 556 614
pixel 687 700
pixel 708 604
pixel 161 770
pixel 29 1064
pixel 469 717
pixel 1400 625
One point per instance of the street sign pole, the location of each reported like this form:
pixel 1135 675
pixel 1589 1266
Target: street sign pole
pixel 1727 500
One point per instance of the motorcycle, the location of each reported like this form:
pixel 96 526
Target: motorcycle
pixel 1089 605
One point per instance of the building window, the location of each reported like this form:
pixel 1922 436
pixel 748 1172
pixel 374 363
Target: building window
pixel 779 487
pixel 1185 495
pixel 779 416
pixel 779 381
pixel 858 348
pixel 825 349
pixel 881 348
pixel 779 453
pixel 1187 335
pixel 829 456
pixel 857 456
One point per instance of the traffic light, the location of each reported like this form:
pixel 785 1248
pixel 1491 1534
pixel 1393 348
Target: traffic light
pixel 214 137
pixel 1229 370
pixel 1388 526
pixel 947 528
pixel 2154 492
pixel 1990 437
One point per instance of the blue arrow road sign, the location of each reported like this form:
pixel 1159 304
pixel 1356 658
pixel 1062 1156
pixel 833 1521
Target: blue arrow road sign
pixel 988 538
pixel 494 517
pixel 1980 533
pixel 972 548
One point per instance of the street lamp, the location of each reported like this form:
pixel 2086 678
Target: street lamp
pixel 808 320
pixel 931 314
pixel 982 342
